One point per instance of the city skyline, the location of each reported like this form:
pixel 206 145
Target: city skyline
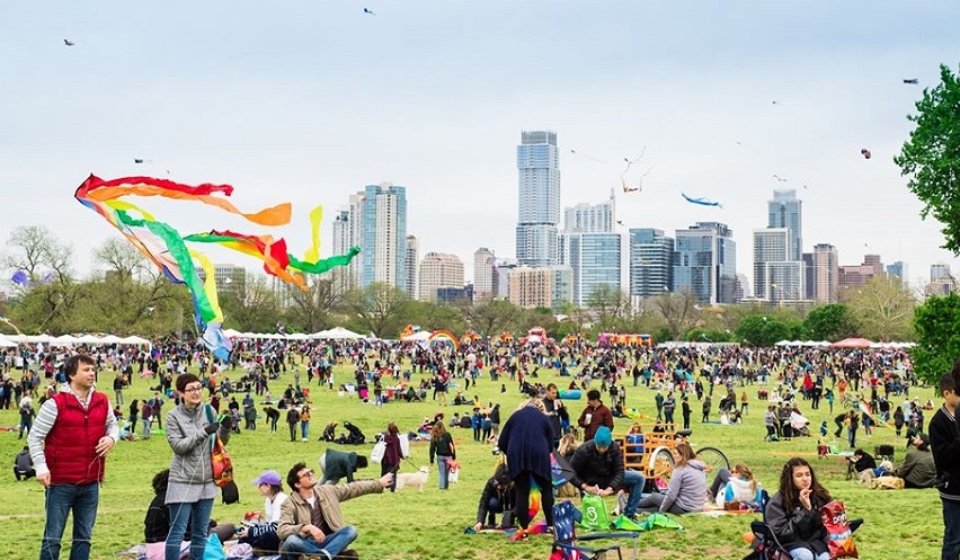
pixel 310 104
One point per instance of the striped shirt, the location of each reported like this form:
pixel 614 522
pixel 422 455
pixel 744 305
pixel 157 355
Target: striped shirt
pixel 47 417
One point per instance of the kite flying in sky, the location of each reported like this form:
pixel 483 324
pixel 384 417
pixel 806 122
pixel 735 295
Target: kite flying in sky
pixel 701 201
pixel 911 81
pixel 368 11
pixel 167 248
pixel 866 153
pixel 68 43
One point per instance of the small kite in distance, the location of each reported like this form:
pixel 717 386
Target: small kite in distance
pixel 866 153
pixel 591 158
pixel 368 11
pixel 68 43
pixel 623 180
pixel 779 178
pixel 911 81
pixel 702 201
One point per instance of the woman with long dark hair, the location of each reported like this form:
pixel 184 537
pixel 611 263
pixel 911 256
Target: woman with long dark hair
pixel 794 512
pixel 392 454
pixel 441 446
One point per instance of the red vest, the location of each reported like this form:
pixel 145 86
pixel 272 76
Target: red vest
pixel 71 446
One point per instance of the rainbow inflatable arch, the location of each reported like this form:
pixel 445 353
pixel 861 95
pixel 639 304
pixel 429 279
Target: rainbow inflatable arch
pixel 441 336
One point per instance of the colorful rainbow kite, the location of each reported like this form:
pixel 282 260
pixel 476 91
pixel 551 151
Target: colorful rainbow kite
pixel 443 335
pixel 168 249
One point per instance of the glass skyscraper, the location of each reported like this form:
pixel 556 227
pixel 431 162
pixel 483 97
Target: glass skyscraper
pixel 384 247
pixel 784 212
pixel 595 261
pixel 705 263
pixel 538 164
pixel 651 262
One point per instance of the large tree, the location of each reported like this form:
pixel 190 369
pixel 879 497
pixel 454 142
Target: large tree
pixel 937 322
pixel 37 251
pixel 883 308
pixel 491 317
pixel 831 322
pixel 311 309
pixel 931 157
pixel 609 305
pixel 379 308
pixel 679 311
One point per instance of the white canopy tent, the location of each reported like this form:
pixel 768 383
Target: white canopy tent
pixel 421 336
pixel 6 343
pixel 340 333
pixel 64 340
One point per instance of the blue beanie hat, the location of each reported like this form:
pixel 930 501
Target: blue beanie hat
pixel 603 438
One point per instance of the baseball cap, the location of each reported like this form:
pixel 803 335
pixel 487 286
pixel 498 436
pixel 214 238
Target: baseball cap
pixel 271 478
pixel 603 438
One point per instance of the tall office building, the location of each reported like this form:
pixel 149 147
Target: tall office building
pixel 383 255
pixel 412 263
pixel 809 277
pixel 705 263
pixel 594 260
pixel 548 287
pixel 854 276
pixel 775 276
pixel 538 164
pixel 899 270
pixel 502 270
pixel 826 273
pixel 230 279
pixel 439 270
pixel 484 274
pixel 348 232
pixel 941 280
pixel 784 212
pixel 939 271
pixel 591 218
pixel 651 262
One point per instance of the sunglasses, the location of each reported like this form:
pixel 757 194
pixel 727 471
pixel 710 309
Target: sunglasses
pixel 307 474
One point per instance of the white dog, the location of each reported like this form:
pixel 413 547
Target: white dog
pixel 418 479
pixel 453 475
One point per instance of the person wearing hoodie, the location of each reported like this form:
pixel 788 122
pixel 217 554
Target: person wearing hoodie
pixel 918 469
pixel 731 489
pixel 687 491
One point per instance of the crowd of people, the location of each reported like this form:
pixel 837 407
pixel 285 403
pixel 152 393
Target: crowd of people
pixel 309 521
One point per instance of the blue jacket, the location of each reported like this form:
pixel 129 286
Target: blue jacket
pixel 527 440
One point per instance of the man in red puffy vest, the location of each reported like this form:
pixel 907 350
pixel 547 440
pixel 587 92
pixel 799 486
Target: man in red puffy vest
pixel 71 437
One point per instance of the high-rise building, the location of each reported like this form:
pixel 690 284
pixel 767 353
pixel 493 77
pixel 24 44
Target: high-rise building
pixel 853 276
pixel 591 218
pixel 594 259
pixel 938 271
pixel 383 250
pixel 548 287
pixel 412 264
pixel 784 212
pixel 439 270
pixel 651 262
pixel 809 276
pixel 705 263
pixel 348 232
pixel 502 273
pixel 899 270
pixel 826 273
pixel 538 164
pixel 484 274
pixel 775 276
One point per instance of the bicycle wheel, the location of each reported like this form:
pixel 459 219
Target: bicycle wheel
pixel 714 458
pixel 662 465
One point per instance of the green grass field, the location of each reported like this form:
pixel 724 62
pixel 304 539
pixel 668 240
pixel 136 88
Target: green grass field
pixel 431 525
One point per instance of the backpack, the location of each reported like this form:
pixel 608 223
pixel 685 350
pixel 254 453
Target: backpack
pixel 230 494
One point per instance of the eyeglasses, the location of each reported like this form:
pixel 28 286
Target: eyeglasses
pixel 193 389
pixel 308 474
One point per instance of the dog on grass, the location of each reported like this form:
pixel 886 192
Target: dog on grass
pixel 418 479
pixel 453 476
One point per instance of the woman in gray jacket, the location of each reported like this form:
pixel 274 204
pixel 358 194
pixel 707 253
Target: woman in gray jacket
pixel 687 491
pixel 190 492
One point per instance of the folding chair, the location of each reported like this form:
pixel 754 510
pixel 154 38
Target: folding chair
pixel 568 546
pixel 765 543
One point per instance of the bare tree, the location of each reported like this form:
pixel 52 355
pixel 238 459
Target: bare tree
pixel 884 308
pixel 122 259
pixel 379 307
pixel 37 252
pixel 491 317
pixel 312 307
pixel 678 310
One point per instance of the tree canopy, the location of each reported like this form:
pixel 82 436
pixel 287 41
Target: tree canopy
pixel 931 157
pixel 937 322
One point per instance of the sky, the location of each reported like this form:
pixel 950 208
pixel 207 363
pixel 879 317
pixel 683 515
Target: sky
pixel 309 101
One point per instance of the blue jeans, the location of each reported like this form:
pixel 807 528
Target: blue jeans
pixel 304 429
pixel 951 530
pixel 332 545
pixel 443 469
pixel 635 481
pixel 61 499
pixel 180 514
pixel 807 554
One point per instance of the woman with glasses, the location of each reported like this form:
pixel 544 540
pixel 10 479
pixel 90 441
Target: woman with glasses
pixel 190 492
